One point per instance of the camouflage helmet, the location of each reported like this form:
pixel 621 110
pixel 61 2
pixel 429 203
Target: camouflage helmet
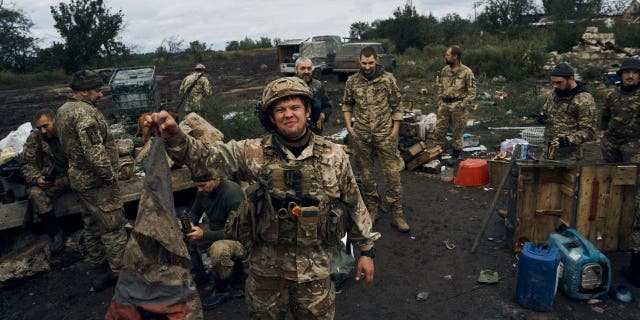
pixel 85 80
pixel 284 87
pixel 200 66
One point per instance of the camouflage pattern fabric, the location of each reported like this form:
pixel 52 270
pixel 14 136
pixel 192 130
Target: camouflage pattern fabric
pixel 93 159
pixel 572 117
pixel 375 104
pixel 156 264
pixel 223 253
pixel 320 94
pixel 456 92
pixel 307 300
pixel 293 263
pixel 201 89
pixel 43 199
pixel 621 140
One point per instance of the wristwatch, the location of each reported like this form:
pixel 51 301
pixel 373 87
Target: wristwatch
pixel 371 253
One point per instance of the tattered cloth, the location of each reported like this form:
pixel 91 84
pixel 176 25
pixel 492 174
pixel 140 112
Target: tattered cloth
pixel 156 274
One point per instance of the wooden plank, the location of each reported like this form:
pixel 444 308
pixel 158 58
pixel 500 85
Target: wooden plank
pixel 611 231
pixel 13 214
pixel 424 157
pixel 414 150
pixel 525 218
pixel 624 175
pixel 587 176
pixel 548 200
pixel 567 190
pixel 497 169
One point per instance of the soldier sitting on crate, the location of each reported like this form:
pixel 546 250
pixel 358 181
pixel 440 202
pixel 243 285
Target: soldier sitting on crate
pixel 568 114
pixel 45 169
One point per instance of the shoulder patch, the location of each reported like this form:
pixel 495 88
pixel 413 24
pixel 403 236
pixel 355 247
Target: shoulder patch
pixel 92 133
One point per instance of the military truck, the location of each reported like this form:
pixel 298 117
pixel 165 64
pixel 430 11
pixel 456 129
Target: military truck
pixel 347 58
pixel 320 49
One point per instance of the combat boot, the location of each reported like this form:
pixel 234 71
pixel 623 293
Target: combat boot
pixel 453 161
pixel 400 224
pixel 102 278
pixel 215 299
pixel 57 243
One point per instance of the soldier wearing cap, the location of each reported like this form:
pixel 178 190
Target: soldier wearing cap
pixel 620 121
pixel 194 88
pixel 93 165
pixel 568 114
pixel 373 98
pixel 216 198
pixel 302 194
pixel 456 92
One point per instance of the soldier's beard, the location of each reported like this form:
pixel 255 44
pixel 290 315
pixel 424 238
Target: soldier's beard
pixel 450 63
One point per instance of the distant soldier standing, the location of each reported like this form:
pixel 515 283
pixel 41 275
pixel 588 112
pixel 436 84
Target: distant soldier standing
pixel 456 91
pixel 45 169
pixel 93 162
pixel 621 140
pixel 568 114
pixel 304 71
pixel 373 97
pixel 193 89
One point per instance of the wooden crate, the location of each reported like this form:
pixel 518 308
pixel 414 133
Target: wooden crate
pixel 497 169
pixel 599 202
pixel 424 157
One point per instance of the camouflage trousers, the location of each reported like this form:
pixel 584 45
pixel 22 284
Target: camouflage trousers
pixel 43 199
pixel 103 218
pixel 454 115
pixel 365 145
pixel 224 254
pixel 271 298
pixel 628 153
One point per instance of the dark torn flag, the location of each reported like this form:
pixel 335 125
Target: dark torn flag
pixel 156 274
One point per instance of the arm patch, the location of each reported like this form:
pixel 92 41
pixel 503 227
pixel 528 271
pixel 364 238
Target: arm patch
pixel 94 136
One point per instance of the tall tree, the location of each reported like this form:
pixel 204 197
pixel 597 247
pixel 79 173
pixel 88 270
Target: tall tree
pixel 90 31
pixel 510 17
pixel 572 9
pixel 16 45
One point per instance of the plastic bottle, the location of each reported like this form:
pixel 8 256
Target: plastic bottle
pixel 446 174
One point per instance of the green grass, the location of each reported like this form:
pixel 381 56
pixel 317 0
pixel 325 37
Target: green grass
pixel 11 78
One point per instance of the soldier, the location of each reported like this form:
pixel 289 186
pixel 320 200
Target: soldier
pixel 193 89
pixel 215 200
pixel 45 169
pixel 621 140
pixel 304 71
pixel 568 114
pixel 302 195
pixel 456 92
pixel 372 96
pixel 93 163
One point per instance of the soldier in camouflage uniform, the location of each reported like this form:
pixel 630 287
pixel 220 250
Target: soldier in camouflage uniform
pixel 93 162
pixel 319 115
pixel 456 92
pixel 620 121
pixel 45 169
pixel 568 114
pixel 372 96
pixel 193 89
pixel 303 192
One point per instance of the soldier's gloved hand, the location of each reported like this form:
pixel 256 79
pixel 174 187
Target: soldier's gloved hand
pixel 542 117
pixel 563 142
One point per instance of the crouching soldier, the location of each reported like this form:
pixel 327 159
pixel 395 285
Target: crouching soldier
pixel 215 200
pixel 45 169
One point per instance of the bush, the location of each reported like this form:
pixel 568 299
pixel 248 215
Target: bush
pixel 11 78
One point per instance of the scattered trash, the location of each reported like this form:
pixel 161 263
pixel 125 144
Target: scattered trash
pixel 448 244
pixel 424 91
pixel 413 238
pixel 594 301
pixel 508 112
pixel 499 78
pixel 406 87
pixel 490 238
pixel 422 296
pixel 621 293
pixel 487 189
pixel 448 277
pixel 16 139
pixel 598 309
pixel 488 276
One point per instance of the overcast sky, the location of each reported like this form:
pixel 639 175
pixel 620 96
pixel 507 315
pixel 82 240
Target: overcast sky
pixel 148 22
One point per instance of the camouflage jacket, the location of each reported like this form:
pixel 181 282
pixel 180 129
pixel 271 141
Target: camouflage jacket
pixel 251 160
pixel 571 115
pixel 621 116
pixel 85 137
pixel 375 103
pixel 42 158
pixel 457 85
pixel 320 94
pixel 201 89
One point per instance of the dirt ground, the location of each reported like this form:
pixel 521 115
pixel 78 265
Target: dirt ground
pixel 406 264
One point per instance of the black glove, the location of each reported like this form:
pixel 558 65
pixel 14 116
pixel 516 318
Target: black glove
pixel 563 141
pixel 542 117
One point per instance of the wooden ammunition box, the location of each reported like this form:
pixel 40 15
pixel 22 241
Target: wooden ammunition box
pixel 424 157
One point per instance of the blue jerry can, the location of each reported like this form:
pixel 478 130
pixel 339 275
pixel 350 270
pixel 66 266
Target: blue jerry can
pixel 537 276
pixel 586 271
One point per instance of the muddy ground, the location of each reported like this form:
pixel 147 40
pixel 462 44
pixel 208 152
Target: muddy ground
pixel 406 265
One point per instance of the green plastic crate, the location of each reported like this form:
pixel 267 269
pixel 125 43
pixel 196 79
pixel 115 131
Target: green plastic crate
pixel 134 91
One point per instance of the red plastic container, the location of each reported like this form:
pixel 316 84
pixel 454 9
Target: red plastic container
pixel 472 173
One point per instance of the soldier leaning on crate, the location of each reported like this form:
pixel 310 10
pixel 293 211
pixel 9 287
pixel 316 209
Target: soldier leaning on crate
pixel 93 166
pixel 45 169
pixel 302 195
pixel 621 140
pixel 457 92
pixel 568 114
pixel 193 89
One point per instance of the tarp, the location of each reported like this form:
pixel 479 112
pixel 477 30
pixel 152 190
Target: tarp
pixel 313 50
pixel 156 274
